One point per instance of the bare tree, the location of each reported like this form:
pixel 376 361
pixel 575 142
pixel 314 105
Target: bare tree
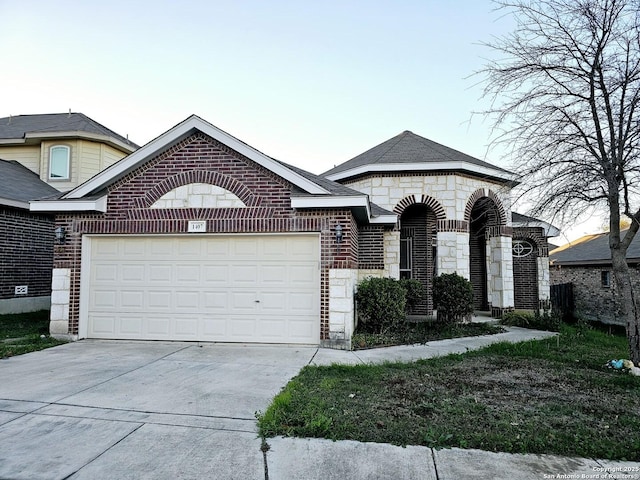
pixel 566 92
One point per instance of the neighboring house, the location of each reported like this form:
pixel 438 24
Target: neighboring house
pixel 586 263
pixel 64 149
pixel 26 241
pixel 198 236
pixel 42 155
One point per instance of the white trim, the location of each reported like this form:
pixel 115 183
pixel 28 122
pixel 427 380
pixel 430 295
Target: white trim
pixel 83 135
pixel 14 203
pixel 112 141
pixel 67 177
pixel 343 201
pixel 85 284
pixel 97 205
pixel 424 167
pixel 175 134
pixel 549 230
pixel 384 219
pixel 330 202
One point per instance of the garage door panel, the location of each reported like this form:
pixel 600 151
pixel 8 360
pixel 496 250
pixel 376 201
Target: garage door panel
pixel 159 299
pixel 274 276
pixel 159 273
pixel 244 327
pixel 130 299
pixel 132 325
pixel 159 327
pixel 262 288
pixel 245 248
pixel 105 273
pixel 304 276
pixel 187 327
pixel 243 275
pixel 187 273
pixel 216 301
pixel 188 300
pixel 214 328
pixel 215 275
pixel 301 302
pixel 273 302
pixel 299 329
pixel 133 249
pixel 104 325
pixel 243 302
pixel 105 299
pixel 132 273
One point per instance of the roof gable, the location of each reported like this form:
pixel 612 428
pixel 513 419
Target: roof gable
pixel 411 152
pixel 21 128
pixel 172 137
pixel 19 185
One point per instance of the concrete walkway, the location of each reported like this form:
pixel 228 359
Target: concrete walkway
pixel 171 410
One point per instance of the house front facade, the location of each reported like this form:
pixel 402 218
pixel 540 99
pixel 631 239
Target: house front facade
pixel 198 236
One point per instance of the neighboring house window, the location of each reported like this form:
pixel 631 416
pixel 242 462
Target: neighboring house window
pixel 605 278
pixel 522 248
pixel 59 162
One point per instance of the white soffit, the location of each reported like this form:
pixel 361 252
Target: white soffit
pixel 182 129
pixel 422 167
pixel 95 205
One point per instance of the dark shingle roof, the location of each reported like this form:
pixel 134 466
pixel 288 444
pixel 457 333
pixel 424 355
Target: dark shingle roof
pixel 20 184
pixel 591 249
pixel 19 126
pixel 334 188
pixel 409 148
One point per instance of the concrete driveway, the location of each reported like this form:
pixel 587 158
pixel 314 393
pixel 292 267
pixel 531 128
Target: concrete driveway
pixel 117 410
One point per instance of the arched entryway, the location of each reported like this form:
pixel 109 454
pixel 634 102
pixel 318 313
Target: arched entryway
pixel 418 224
pixel 484 214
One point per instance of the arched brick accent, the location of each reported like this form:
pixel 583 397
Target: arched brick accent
pixel 538 240
pixel 485 192
pixel 198 176
pixel 430 202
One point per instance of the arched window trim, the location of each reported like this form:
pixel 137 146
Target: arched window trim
pixel 67 172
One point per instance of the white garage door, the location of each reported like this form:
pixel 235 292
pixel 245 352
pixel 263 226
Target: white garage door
pixel 210 288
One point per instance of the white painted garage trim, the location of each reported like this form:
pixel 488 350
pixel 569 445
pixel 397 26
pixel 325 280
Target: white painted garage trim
pixel 311 305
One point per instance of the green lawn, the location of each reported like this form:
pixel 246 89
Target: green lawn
pixel 24 333
pixel 548 396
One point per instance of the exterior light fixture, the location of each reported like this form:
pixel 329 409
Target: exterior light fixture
pixel 61 234
pixel 339 234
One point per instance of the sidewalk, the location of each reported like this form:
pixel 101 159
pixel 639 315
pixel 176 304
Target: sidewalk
pixel 313 459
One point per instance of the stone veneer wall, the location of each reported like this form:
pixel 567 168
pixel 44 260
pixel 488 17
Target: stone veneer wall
pixel 448 194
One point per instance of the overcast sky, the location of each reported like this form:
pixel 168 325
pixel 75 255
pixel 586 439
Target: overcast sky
pixel 311 83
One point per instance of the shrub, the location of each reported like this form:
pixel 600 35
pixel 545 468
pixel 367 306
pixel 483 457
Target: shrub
pixel 415 292
pixel 381 304
pixel 542 321
pixel 452 298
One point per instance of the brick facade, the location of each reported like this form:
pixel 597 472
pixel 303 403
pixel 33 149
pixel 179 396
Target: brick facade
pixel 593 301
pixel 527 275
pixel 26 254
pixel 201 159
